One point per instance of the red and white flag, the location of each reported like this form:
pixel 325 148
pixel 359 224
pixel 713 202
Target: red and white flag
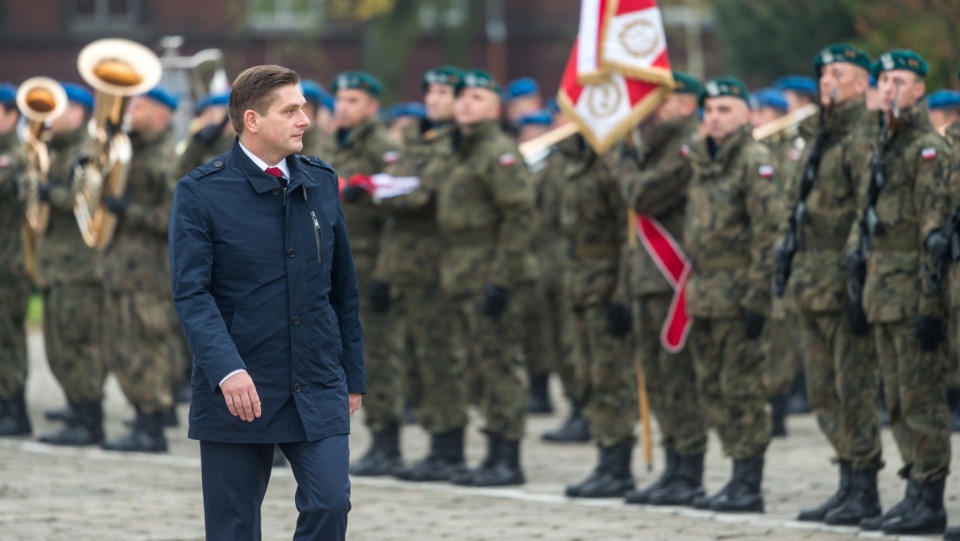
pixel 634 42
pixel 668 255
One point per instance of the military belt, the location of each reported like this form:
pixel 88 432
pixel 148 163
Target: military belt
pixel 581 251
pixel 726 262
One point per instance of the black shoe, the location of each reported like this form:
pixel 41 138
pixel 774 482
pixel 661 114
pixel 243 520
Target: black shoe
pixel 494 450
pixel 64 414
pixel 612 477
pixel 926 516
pixel 574 429
pixel 14 420
pixel 444 460
pixel 85 427
pixel 279 460
pixel 501 467
pixel 778 416
pixel 685 487
pixel 669 471
pixel 817 514
pixel 873 524
pixel 953 400
pixel 383 457
pixel 742 494
pixel 170 419
pixel 145 437
pixel 952 534
pixel 862 500
pixel 538 400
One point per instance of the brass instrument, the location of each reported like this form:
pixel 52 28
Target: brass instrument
pixel 117 69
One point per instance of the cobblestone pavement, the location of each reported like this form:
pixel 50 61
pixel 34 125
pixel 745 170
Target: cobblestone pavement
pixel 49 493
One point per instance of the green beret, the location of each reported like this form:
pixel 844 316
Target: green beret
pixel 477 78
pixel 444 75
pixel 359 80
pixel 684 83
pixel 900 59
pixel 724 86
pixel 841 52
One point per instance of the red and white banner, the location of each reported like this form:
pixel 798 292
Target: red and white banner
pixel 668 255
pixel 633 41
pixel 382 185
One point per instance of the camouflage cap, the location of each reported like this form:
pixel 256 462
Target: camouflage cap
pixel 724 86
pixel 477 78
pixel 444 75
pixel 840 52
pixel 900 59
pixel 357 80
pixel 684 83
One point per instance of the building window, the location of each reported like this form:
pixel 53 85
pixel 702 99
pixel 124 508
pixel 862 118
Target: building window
pixel 104 14
pixel 284 14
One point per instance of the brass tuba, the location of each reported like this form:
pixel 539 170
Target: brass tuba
pixel 117 69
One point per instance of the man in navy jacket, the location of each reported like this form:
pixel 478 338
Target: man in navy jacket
pixel 265 288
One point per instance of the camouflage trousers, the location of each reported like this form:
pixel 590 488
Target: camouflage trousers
pixel 14 298
pixel 782 359
pixel 559 345
pixel 914 383
pixel 531 300
pixel 670 380
pixel 73 327
pixel 608 377
pixel 383 403
pixel 140 349
pixel 492 351
pixel 435 378
pixel 953 361
pixel 730 383
pixel 842 384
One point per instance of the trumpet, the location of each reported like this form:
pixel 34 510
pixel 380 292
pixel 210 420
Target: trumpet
pixel 117 69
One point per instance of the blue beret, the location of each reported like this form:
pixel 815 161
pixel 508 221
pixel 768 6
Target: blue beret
pixel 520 88
pixel 312 91
pixel 944 99
pixel 798 84
pixel 873 82
pixel 539 118
pixel 78 94
pixel 410 108
pixel 213 100
pixel 8 93
pixel 769 97
pixel 163 97
pixel 327 101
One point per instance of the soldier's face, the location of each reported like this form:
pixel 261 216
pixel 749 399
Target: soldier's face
pixel 764 115
pixel 843 82
pixel 476 105
pixel 438 100
pixel 676 106
pixel 70 121
pixel 723 116
pixel 280 131
pixel 146 116
pixel 520 107
pixel 8 118
pixel 902 87
pixel 942 117
pixel 354 106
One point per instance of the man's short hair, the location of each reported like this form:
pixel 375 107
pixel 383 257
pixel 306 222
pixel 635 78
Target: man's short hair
pixel 254 88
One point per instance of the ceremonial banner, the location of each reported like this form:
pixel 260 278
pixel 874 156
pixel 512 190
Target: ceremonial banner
pixel 382 185
pixel 633 41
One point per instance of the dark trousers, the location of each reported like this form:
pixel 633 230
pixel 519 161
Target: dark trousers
pixel 235 477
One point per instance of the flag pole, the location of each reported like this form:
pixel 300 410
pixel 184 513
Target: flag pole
pixel 643 401
pixel 552 137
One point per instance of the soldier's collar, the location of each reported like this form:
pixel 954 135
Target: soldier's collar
pixel 731 144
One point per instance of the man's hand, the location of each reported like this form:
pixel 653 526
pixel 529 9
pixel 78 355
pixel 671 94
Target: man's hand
pixel 354 399
pixel 241 396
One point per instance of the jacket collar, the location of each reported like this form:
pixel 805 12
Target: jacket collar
pixel 263 182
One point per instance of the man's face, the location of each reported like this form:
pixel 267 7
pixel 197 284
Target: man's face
pixel 724 115
pixel 438 100
pixel 675 106
pixel 842 82
pixel 520 107
pixel 476 105
pixel 873 99
pixel 325 121
pixel 354 106
pixel 70 121
pixel 902 87
pixel 764 115
pixel 942 117
pixel 146 116
pixel 280 131
pixel 532 131
pixel 8 118
pixel 795 100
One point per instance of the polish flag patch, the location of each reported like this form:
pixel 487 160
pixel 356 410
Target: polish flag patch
pixel 928 153
pixel 507 160
pixel 684 151
pixel 765 171
pixel 390 156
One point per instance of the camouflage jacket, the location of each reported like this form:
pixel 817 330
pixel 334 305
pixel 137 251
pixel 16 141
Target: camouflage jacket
pixel 657 188
pixel 818 279
pixel 913 202
pixel 199 152
pixel 315 142
pixel 953 137
pixel 550 245
pixel 486 215
pixel 410 246
pixel 62 256
pixel 789 150
pixel 366 149
pixel 734 208
pixel 12 163
pixel 593 216
pixel 136 259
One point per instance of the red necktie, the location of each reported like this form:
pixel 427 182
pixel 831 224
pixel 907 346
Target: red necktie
pixel 275 171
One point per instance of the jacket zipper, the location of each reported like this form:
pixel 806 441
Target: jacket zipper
pixel 316 235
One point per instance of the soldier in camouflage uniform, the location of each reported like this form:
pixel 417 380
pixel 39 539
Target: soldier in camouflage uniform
pixel 214 136
pixel 901 233
pixel 840 365
pixel 315 141
pixel 72 291
pixel 362 146
pixel 140 346
pixel 406 285
pixel 14 284
pixel 658 190
pixel 733 210
pixel 485 211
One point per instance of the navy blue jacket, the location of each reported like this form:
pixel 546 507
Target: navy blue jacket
pixel 263 280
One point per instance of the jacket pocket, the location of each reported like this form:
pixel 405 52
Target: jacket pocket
pixel 317 237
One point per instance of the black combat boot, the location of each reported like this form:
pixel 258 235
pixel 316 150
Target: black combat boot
pixel 538 400
pixel 145 437
pixel 612 477
pixel 953 400
pixel 574 429
pixel 740 495
pixel 170 419
pixel 778 415
pixel 494 450
pixel 952 534
pixel 383 457
pixel 685 487
pixel 669 471
pixel 14 420
pixel 60 414
pixel 84 427
pixel 817 514
pixel 904 506
pixel 443 461
pixel 862 500
pixel 500 468
pixel 925 517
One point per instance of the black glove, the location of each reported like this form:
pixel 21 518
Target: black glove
pixel 938 245
pixel 352 194
pixel 43 190
pixel 619 319
pixel 116 205
pixel 379 294
pixel 495 302
pixel 754 323
pixel 930 332
pixel 858 319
